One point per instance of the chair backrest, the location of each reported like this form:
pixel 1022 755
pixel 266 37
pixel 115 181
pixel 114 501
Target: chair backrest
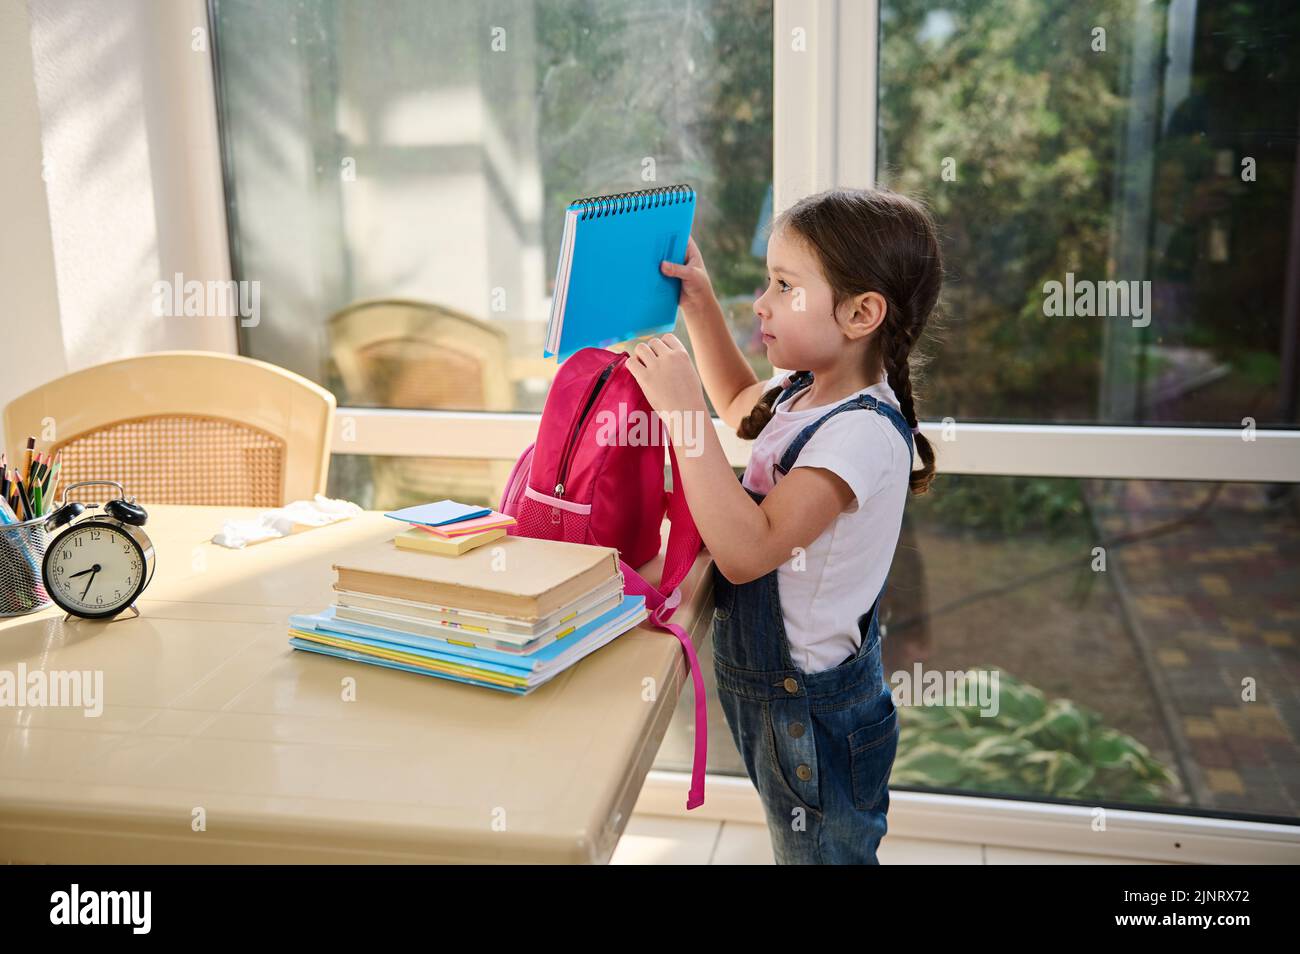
pixel 183 427
pixel 403 353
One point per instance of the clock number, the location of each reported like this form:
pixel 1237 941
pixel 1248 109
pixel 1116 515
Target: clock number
pixel 94 534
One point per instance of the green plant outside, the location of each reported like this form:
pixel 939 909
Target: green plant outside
pixel 1032 746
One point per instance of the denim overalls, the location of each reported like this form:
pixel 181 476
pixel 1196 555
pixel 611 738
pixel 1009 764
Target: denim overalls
pixel 819 746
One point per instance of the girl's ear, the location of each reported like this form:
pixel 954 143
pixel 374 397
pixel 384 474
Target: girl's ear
pixel 869 310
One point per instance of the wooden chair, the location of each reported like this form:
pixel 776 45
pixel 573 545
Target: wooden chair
pixel 402 353
pixel 182 427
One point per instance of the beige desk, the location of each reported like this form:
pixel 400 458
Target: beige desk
pixel 208 713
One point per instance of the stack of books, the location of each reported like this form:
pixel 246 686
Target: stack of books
pixel 510 617
pixel 449 528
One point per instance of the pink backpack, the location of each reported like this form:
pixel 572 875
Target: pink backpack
pixel 568 485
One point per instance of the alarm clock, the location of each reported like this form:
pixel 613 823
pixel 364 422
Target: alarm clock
pixel 99 563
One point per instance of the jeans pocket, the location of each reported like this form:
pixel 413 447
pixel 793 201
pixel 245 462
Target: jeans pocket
pixel 871 757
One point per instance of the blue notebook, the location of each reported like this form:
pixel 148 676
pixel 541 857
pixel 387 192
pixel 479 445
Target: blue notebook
pixel 439 513
pixel 608 286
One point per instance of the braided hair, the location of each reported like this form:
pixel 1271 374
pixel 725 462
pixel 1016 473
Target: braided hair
pixel 882 241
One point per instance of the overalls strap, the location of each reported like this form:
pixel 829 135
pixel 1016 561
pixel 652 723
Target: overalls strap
pixel 802 380
pixel 797 383
pixel 865 401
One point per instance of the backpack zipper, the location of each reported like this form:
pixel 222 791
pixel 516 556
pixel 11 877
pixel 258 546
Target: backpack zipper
pixel 563 472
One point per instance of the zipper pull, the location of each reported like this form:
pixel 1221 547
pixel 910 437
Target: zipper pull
pixel 555 511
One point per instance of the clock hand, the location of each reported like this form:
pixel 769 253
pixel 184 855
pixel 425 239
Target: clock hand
pixel 93 570
pixel 82 573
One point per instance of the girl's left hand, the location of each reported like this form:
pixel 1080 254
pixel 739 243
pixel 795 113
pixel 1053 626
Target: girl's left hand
pixel 668 379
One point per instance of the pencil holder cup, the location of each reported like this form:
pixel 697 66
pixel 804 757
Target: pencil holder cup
pixel 22 551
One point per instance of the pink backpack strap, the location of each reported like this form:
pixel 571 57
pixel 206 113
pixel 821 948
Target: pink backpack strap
pixel 683 547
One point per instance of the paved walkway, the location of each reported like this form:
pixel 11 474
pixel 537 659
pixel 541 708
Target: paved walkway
pixel 1216 603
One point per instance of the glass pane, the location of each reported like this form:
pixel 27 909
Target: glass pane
pixel 397 173
pixel 1119 682
pixel 1116 184
pixel 377 482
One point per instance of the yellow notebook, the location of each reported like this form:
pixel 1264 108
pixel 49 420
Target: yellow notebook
pixel 416 539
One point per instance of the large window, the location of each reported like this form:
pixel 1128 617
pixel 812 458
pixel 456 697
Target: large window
pixel 397 175
pixel 1145 633
pixel 1117 150
pixel 1113 390
pixel 1144 636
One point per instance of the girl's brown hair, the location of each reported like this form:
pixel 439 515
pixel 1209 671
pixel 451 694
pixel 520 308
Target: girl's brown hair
pixel 872 240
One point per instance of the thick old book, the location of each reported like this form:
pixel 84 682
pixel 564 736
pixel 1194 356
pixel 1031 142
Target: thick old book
pixel 515 576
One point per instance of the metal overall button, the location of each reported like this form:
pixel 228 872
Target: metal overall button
pixel 780 755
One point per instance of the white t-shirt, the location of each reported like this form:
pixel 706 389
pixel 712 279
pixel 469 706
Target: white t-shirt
pixel 844 568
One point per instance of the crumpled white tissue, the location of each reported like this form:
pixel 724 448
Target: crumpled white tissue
pixel 295 516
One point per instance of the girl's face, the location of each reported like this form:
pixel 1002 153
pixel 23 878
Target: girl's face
pixel 795 313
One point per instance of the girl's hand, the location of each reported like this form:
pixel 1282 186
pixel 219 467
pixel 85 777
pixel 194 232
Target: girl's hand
pixel 668 379
pixel 697 288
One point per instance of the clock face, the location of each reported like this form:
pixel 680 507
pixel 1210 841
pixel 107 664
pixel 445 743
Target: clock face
pixel 94 570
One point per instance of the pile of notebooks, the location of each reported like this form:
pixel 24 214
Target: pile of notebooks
pixel 449 528
pixel 510 616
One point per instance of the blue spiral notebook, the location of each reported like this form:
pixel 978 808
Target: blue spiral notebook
pixel 608 286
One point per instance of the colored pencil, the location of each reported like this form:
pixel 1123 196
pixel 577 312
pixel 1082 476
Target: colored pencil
pixel 54 479
pixel 23 501
pixel 27 460
pixel 54 469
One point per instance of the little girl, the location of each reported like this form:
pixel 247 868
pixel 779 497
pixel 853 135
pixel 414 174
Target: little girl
pixel 803 543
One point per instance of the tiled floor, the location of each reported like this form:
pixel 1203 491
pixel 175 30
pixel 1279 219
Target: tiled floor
pixel 659 840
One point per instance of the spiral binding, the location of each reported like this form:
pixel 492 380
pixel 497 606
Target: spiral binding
pixel 602 205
